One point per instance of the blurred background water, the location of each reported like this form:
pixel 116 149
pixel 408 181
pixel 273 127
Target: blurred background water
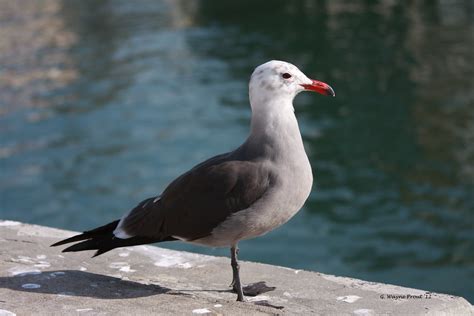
pixel 103 103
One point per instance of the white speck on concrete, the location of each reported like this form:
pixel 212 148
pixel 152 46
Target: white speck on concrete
pixel 43 265
pixel 297 271
pixel 126 269
pixel 24 259
pixel 31 286
pixel 218 305
pixel 168 261
pixel 4 312
pixel 364 312
pixel 124 254
pixel 41 257
pixel 84 309
pixel 186 265
pixel 258 298
pixel 287 294
pixel 9 223
pixel 349 298
pixel 122 266
pixel 173 261
pixel 83 269
pixel 201 311
pixel 118 265
pixel 22 271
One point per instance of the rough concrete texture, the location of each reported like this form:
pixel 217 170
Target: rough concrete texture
pixel 38 280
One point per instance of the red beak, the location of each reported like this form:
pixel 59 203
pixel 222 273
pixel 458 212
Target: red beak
pixel 319 87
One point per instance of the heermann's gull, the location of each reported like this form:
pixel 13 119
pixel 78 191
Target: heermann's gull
pixel 234 196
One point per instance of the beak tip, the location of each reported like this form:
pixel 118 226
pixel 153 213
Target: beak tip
pixel 319 87
pixel 331 92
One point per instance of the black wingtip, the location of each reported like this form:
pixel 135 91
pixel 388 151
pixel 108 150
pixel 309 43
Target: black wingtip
pixel 99 231
pixel 59 243
pixel 69 240
pixel 69 249
pixel 99 252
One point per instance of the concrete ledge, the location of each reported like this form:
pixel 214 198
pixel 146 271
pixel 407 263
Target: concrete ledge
pixel 36 279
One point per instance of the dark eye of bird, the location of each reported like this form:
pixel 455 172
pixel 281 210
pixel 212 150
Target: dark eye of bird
pixel 286 75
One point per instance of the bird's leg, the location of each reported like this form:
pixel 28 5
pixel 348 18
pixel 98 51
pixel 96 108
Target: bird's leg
pixel 236 285
pixel 235 271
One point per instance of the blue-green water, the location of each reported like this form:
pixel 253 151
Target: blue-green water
pixel 104 103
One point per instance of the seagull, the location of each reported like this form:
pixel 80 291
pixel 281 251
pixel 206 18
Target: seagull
pixel 234 196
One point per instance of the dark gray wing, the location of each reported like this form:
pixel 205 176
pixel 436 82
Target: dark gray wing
pixel 199 200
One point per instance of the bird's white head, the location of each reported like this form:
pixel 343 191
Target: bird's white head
pixel 279 82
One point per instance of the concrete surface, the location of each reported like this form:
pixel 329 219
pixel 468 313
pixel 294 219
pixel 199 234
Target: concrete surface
pixel 38 280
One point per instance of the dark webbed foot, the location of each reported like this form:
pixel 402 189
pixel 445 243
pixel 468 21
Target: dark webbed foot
pixel 255 289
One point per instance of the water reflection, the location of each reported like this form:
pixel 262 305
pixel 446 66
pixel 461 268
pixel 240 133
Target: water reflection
pixel 145 91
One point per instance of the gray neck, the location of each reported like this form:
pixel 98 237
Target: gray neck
pixel 274 133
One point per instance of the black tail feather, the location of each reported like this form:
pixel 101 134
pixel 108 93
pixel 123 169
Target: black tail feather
pixel 110 227
pixel 103 239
